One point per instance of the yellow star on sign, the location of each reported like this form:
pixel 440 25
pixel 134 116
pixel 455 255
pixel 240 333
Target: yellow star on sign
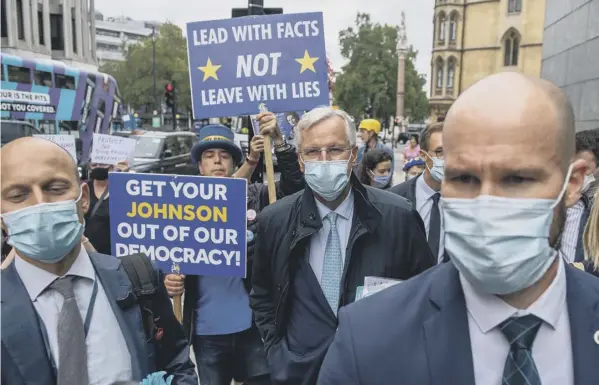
pixel 307 62
pixel 209 70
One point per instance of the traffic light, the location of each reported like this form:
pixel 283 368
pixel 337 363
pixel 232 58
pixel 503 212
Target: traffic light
pixel 169 95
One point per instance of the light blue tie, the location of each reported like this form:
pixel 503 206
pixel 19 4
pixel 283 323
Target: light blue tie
pixel 332 268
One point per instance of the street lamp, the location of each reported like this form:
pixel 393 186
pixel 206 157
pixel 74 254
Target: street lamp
pixel 154 64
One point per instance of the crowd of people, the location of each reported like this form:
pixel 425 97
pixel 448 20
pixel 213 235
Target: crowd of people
pixel 492 240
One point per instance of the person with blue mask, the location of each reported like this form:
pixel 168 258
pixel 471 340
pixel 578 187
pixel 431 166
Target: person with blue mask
pixel 375 169
pixel 506 309
pixel 70 316
pixel 314 248
pixel 424 191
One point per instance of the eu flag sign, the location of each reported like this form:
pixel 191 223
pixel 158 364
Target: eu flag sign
pixel 237 64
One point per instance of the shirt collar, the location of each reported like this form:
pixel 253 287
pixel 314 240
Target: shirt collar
pixel 36 280
pixel 345 209
pixel 424 188
pixel 488 310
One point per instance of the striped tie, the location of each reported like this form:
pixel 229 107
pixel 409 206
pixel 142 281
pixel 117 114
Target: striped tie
pixel 520 368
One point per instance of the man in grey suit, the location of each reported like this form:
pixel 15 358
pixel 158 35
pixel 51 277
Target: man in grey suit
pixel 70 317
pixel 506 309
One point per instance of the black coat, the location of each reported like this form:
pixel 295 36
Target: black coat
pixel 291 181
pixel 387 239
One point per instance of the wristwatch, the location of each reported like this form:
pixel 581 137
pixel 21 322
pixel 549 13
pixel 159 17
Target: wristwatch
pixel 251 162
pixel 281 145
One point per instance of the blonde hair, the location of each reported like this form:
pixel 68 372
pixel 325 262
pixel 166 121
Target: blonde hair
pixel 590 238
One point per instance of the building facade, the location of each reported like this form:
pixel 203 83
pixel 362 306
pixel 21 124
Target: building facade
pixel 61 30
pixel 114 34
pixel 571 56
pixel 476 38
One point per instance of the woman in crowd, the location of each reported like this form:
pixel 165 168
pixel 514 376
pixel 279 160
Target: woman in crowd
pixel 412 150
pixel 375 169
pixel 414 167
pixel 590 238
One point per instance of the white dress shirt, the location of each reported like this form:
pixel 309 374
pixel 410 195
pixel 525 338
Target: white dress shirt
pixel 424 206
pixel 318 241
pixel 552 347
pixel 108 358
pixel 572 230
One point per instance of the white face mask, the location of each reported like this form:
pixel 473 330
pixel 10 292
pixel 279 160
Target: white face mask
pixel 500 245
pixel 438 170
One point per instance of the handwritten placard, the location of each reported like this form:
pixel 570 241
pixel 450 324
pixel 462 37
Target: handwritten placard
pixel 109 149
pixel 65 141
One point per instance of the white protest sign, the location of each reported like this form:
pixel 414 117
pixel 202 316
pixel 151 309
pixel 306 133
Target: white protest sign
pixel 109 149
pixel 65 141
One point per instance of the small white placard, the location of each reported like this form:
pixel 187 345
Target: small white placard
pixel 110 149
pixel 65 141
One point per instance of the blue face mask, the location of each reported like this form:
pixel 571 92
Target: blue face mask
pixel 46 232
pixel 328 178
pixel 500 245
pixel 380 181
pixel 438 170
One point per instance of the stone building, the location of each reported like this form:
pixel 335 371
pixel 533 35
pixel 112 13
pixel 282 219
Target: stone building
pixel 61 30
pixel 571 55
pixel 476 38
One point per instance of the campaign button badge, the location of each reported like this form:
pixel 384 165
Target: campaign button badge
pixel 249 235
pixel 251 214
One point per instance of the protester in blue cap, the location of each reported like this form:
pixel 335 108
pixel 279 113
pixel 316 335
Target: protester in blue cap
pixel 216 312
pixel 414 167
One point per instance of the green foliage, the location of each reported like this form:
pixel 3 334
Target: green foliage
pixel 134 75
pixel 370 76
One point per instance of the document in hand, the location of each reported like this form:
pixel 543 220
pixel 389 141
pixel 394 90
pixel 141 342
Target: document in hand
pixel 374 285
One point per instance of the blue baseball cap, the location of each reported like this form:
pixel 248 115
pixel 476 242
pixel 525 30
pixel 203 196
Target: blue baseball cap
pixel 216 136
pixel 417 161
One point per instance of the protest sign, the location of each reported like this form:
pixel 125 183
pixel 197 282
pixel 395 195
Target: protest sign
pixel 110 149
pixel 286 121
pixel 186 224
pixel 65 141
pixel 236 64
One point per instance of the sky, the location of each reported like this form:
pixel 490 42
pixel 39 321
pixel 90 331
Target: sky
pixel 338 15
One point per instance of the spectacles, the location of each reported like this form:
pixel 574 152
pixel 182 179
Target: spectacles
pixel 334 153
pixel 438 153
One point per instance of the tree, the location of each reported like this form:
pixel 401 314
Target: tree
pixel 370 76
pixel 134 75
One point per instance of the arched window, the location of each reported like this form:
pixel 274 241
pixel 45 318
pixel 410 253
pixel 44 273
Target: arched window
pixel 442 21
pixel 453 26
pixel 511 49
pixel 514 6
pixel 450 73
pixel 439 73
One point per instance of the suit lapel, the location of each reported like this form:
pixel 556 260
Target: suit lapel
pixel 126 309
pixel 21 334
pixel 583 308
pixel 446 332
pixel 412 191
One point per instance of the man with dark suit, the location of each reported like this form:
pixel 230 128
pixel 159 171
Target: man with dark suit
pixel 314 248
pixel 506 310
pixel 70 317
pixel 424 191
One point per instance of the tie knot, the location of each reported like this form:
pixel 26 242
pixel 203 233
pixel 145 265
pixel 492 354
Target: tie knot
pixel 64 286
pixel 521 332
pixel 436 197
pixel 332 218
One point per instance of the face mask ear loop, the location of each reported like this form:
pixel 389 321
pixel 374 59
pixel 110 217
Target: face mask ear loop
pixel 564 188
pixel 80 194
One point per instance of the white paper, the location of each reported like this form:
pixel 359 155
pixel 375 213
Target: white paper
pixel 65 141
pixel 375 284
pixel 110 149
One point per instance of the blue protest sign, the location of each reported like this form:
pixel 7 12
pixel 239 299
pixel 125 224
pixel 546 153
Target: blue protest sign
pixel 286 121
pixel 186 224
pixel 237 64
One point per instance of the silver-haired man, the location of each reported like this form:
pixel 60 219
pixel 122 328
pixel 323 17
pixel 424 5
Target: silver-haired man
pixel 321 244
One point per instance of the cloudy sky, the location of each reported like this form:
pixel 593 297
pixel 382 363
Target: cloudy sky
pixel 338 15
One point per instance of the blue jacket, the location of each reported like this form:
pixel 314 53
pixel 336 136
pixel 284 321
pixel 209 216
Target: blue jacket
pixel 416 333
pixel 24 357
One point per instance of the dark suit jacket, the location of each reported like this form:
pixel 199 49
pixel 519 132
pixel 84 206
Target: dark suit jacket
pixel 24 357
pixel 416 333
pixel 407 190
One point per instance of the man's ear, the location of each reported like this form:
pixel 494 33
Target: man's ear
pixel 575 183
pixel 84 198
pixel 301 162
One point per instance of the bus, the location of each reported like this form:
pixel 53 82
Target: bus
pixel 58 99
